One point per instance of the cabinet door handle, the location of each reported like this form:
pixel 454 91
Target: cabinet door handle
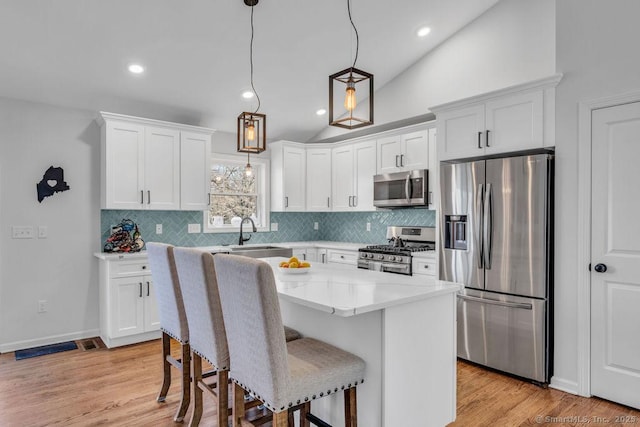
pixel 328 202
pixel 148 286
pixel 148 197
pixel 486 138
pixel 349 201
pixel 323 258
pixel 140 285
pixel 208 199
pixel 479 142
pixel 286 201
pixel 397 161
pixel 304 257
pixel 355 201
pixel 401 160
pixel 430 198
pixel 141 197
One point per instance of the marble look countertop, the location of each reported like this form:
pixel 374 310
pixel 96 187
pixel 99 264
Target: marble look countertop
pixel 346 292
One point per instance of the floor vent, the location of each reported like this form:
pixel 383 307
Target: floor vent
pixel 90 344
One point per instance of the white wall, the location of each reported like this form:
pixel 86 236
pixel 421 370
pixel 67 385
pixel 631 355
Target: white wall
pixel 597 52
pixel 511 43
pixel 59 269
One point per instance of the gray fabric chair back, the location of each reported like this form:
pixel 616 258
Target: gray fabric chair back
pixel 254 326
pixel 173 319
pixel 207 334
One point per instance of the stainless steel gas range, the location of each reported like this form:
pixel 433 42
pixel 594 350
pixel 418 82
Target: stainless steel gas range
pixel 396 256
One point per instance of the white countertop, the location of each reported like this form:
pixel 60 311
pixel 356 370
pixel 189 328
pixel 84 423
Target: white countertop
pixel 346 292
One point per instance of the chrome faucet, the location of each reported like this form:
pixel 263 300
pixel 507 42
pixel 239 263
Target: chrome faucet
pixel 253 224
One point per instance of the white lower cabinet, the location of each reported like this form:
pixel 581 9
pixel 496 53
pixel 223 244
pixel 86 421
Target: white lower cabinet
pixel 128 307
pixel 342 258
pixel 424 266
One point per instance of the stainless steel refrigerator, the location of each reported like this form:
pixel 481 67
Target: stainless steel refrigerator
pixel 496 237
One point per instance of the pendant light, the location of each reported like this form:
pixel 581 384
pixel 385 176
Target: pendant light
pixel 252 132
pixel 354 84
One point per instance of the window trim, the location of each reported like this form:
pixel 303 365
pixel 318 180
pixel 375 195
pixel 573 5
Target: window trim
pixel 263 189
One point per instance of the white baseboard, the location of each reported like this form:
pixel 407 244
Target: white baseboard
pixel 54 339
pixel 564 385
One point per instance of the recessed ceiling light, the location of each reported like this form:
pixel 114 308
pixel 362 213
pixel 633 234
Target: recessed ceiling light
pixel 136 69
pixel 422 32
pixel 247 94
pixel 321 112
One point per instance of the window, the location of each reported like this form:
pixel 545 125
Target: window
pixel 235 196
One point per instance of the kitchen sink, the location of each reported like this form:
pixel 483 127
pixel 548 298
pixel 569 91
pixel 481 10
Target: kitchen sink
pixel 261 251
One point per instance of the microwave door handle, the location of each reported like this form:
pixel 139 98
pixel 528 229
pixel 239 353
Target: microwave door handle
pixel 407 188
pixel 479 224
pixel 488 226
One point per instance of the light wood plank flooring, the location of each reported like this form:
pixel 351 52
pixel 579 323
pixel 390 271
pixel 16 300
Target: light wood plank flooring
pixel 118 387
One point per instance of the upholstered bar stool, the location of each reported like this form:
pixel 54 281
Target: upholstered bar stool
pixel 173 321
pixel 284 376
pixel 208 338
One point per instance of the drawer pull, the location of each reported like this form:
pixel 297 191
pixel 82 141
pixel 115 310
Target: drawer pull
pixel 144 267
pixel 426 266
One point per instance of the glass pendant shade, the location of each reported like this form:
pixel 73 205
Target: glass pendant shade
pixel 252 133
pixel 343 86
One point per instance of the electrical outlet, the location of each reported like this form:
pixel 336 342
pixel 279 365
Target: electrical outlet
pixel 368 226
pixel 274 226
pixel 22 232
pixel 158 228
pixel 315 225
pixel 42 306
pixel 43 232
pixel 193 228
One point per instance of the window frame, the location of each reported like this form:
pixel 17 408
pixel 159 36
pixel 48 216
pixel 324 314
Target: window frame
pixel 261 166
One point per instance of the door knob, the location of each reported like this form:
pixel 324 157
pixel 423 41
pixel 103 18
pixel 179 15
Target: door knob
pixel 600 268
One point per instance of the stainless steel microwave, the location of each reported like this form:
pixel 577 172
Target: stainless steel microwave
pixel 401 189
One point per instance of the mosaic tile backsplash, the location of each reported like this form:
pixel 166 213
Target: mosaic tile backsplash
pixel 292 226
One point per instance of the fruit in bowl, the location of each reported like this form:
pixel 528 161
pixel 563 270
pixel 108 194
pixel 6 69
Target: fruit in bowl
pixel 294 262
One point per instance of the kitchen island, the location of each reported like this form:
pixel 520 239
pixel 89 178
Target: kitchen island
pixel 404 327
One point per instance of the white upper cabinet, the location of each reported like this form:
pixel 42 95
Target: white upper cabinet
pixel 403 152
pixel 161 168
pixel 195 171
pixel 353 168
pixel 318 179
pixel 148 164
pixel 288 177
pixel 517 118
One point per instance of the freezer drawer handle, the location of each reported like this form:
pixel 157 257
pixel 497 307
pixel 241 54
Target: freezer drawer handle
pixel 495 302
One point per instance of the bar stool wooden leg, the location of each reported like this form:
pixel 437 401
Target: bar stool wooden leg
pixel 166 368
pixel 281 419
pixel 186 382
pixel 223 398
pixel 197 391
pixel 350 408
pixel 238 405
pixel 304 410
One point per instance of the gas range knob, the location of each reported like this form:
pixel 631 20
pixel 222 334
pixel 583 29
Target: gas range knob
pixel 392 258
pixel 370 255
pixel 399 258
pixel 380 256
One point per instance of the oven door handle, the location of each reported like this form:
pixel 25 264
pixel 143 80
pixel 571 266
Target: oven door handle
pixel 400 267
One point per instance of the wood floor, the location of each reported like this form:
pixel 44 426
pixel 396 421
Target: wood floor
pixel 118 388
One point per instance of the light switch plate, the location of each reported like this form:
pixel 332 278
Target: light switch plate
pixel 274 226
pixel 158 228
pixel 315 225
pixel 368 226
pixel 43 232
pixel 193 228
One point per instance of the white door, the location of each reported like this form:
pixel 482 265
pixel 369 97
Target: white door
pixel 364 158
pixel 195 171
pixel 615 243
pixel 162 168
pixel 461 133
pixel 318 179
pixel 415 153
pixel 342 178
pixel 389 150
pixel 294 178
pixel 124 151
pixel 127 315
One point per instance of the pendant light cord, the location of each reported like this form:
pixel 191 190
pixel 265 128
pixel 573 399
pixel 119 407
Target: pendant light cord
pixel 251 62
pixel 356 31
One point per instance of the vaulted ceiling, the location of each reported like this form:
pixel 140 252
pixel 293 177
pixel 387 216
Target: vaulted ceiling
pixel 75 53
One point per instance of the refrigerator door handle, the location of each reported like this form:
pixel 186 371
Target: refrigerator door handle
pixel 479 223
pixel 488 227
pixel 496 302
